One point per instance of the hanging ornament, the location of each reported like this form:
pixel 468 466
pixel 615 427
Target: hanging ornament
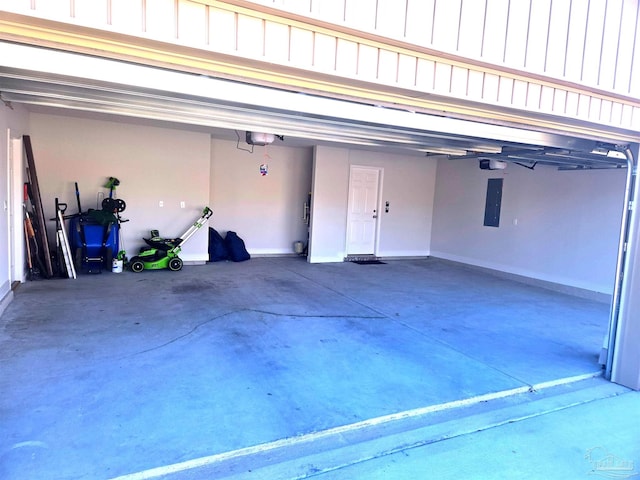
pixel 264 168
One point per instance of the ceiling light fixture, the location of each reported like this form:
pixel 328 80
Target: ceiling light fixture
pixel 259 138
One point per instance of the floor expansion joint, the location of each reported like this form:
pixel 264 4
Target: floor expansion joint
pixel 327 450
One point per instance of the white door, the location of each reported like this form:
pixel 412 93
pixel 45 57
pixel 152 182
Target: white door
pixel 362 220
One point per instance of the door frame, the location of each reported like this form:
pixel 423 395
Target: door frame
pixel 15 180
pixel 376 235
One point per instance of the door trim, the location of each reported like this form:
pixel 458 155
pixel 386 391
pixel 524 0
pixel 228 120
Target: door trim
pixel 15 166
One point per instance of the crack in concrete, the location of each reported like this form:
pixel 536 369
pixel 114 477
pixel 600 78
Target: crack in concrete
pixel 265 312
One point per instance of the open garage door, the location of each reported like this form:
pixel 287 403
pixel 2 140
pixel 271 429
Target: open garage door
pixel 55 80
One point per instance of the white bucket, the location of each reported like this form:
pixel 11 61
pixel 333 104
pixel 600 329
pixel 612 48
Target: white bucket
pixel 298 247
pixel 117 266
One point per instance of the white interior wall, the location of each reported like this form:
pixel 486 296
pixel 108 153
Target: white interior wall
pixel 556 212
pixel 13 124
pixel 329 196
pixel 265 211
pixel 408 184
pixel 153 164
pixel 409 187
pixel 16 176
pixel 5 235
pixel 556 226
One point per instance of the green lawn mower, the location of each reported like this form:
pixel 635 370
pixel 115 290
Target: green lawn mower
pixel 163 253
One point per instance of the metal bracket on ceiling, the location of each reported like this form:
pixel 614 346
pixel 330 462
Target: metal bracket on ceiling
pixel 599 157
pixel 7 103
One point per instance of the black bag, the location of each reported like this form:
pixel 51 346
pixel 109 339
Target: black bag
pixel 235 247
pixel 217 247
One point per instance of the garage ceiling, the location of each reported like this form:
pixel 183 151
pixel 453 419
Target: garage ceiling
pixel 89 86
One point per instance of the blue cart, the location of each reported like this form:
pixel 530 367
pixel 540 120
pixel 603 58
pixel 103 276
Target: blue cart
pixel 94 244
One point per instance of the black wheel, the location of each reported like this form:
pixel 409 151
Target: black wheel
pixel 108 259
pixel 175 264
pixel 79 257
pixel 109 205
pixel 120 205
pixel 76 257
pixel 136 265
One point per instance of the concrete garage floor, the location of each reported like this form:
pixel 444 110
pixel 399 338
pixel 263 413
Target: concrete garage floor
pixel 113 374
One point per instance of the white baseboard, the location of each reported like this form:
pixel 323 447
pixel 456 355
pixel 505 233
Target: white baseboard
pixel 194 259
pixel 5 301
pixel 404 254
pixel 270 251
